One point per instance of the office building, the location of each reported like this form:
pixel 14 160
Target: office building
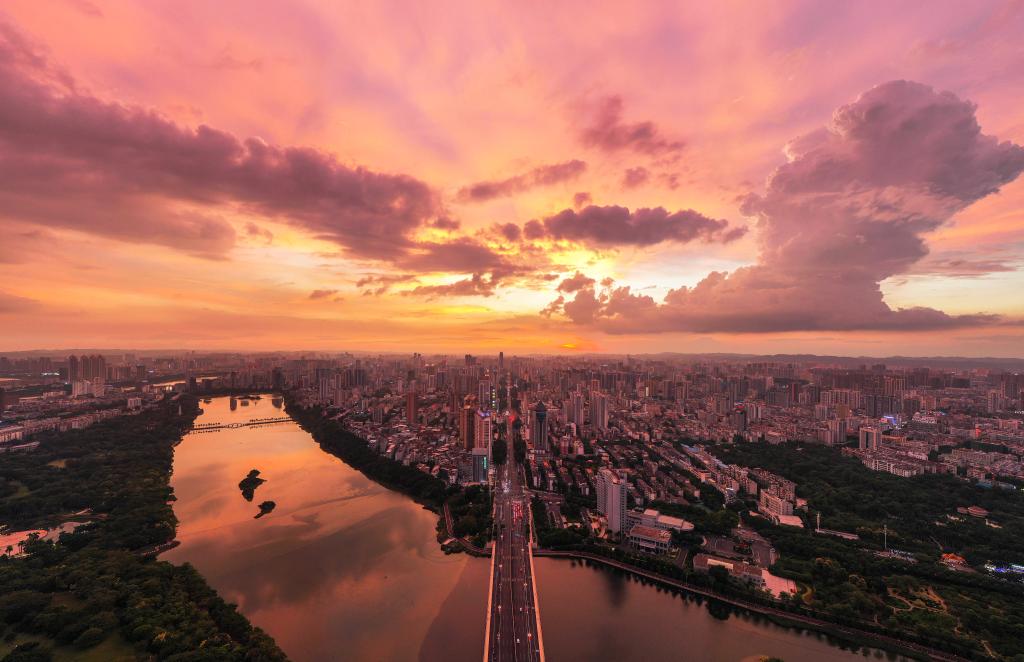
pixel 481 463
pixel 466 423
pixel 483 430
pixel 599 411
pixel 412 407
pixel 539 426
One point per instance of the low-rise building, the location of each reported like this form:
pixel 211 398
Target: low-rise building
pixel 11 433
pixel 649 539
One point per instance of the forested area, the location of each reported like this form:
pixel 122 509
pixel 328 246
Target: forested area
pixel 472 514
pixel 847 579
pixel 851 497
pixel 98 587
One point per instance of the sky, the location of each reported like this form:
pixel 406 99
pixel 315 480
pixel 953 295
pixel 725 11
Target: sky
pixel 770 177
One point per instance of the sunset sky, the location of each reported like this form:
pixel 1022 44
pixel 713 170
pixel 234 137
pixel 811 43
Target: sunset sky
pixel 535 177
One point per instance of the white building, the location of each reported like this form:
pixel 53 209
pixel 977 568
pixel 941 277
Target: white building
pixel 611 499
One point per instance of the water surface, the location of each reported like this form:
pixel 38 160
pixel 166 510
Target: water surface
pixel 341 569
pixel 346 569
pixel 597 614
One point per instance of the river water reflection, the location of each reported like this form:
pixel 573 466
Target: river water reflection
pixel 341 569
pixel 596 614
pixel 346 569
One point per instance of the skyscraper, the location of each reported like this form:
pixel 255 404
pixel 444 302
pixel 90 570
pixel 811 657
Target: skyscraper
pixel 599 411
pixel 869 438
pixel 485 394
pixel 575 412
pixel 483 430
pixel 466 423
pixel 539 426
pixel 481 461
pixel 837 432
pixel 411 407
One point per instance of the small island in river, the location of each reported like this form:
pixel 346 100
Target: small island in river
pixel 265 509
pixel 249 484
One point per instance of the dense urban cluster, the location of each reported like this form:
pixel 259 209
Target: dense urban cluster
pixel 867 494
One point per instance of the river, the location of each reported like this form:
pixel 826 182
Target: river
pixel 346 569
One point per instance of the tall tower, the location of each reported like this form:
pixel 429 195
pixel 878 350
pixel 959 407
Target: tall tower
pixel 575 413
pixel 539 426
pixel 599 411
pixel 466 423
pixel 412 407
pixel 483 430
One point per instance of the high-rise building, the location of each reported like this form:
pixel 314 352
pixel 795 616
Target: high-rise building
pixel 837 432
pixel 87 368
pixel 412 407
pixel 611 499
pixel 326 390
pixel 485 394
pixel 869 438
pixel 483 430
pixel 481 462
pixel 599 410
pixel 539 426
pixel 575 411
pixel 894 385
pixel 466 422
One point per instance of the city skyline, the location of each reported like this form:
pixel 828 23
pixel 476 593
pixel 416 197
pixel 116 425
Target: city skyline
pixel 800 178
pixel 500 331
pixel 471 503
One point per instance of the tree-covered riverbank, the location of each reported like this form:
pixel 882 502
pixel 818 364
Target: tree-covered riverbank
pixel 99 588
pixel 470 508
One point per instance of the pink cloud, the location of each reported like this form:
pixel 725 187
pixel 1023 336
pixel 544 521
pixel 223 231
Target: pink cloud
pixel 612 226
pixel 475 285
pixel 540 176
pixel 575 283
pixel 849 209
pixel 113 164
pixel 608 132
pixel 11 304
pixel 634 177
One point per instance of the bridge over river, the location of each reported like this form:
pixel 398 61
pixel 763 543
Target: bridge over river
pixel 252 422
pixel 513 622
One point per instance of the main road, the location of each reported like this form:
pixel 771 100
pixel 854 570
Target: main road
pixel 513 623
